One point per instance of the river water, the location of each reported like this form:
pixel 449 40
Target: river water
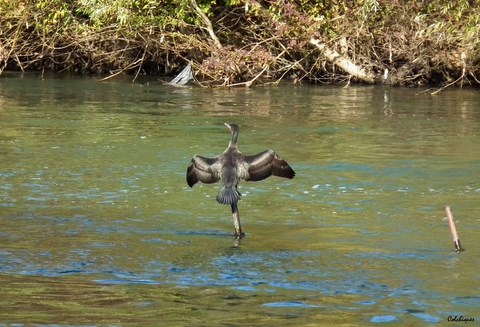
pixel 98 226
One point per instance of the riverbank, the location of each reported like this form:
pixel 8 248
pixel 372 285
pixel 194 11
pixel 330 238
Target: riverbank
pixel 407 43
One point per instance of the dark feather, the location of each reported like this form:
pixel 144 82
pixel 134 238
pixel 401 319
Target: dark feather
pixel 281 168
pixel 266 164
pixel 202 169
pixel 228 195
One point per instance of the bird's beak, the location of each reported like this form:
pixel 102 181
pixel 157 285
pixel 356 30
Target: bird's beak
pixel 228 126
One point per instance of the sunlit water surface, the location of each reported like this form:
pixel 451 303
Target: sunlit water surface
pixel 98 226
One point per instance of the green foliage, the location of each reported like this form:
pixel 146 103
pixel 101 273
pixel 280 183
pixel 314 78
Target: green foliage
pixel 53 15
pixel 144 13
pixel 44 16
pixel 256 36
pixel 451 10
pixel 133 13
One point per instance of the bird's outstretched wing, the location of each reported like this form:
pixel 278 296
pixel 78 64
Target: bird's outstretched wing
pixel 265 164
pixel 203 169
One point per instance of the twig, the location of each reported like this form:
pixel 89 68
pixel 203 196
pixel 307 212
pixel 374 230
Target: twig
pixel 453 230
pixel 141 63
pixel 449 84
pixel 207 22
pixel 250 82
pixel 455 81
pixel 133 64
pixel 475 78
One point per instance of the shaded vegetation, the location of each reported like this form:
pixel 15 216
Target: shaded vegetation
pixel 238 42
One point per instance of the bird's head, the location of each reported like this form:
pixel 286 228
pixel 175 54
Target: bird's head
pixel 232 127
pixel 234 130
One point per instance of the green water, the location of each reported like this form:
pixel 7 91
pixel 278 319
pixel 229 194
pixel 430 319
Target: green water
pixel 98 226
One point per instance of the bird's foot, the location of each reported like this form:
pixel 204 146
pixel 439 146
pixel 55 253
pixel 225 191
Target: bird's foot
pixel 238 238
pixel 239 235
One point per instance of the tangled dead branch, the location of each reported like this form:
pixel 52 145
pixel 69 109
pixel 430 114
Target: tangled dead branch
pixel 258 42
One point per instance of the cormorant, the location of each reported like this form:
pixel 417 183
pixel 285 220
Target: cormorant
pixel 232 166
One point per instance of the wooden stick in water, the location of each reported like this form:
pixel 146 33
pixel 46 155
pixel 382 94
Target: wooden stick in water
pixel 453 230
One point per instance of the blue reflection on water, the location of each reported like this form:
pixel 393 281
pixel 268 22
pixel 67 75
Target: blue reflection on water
pixel 383 319
pixel 267 272
pixel 426 317
pixel 473 301
pixel 245 271
pixel 288 304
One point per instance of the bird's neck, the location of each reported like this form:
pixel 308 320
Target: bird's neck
pixel 233 141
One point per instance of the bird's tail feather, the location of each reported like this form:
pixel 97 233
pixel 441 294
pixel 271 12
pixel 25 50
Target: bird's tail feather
pixel 228 195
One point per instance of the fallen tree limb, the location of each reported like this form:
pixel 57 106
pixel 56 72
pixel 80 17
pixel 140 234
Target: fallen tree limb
pixel 344 63
pixel 207 22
